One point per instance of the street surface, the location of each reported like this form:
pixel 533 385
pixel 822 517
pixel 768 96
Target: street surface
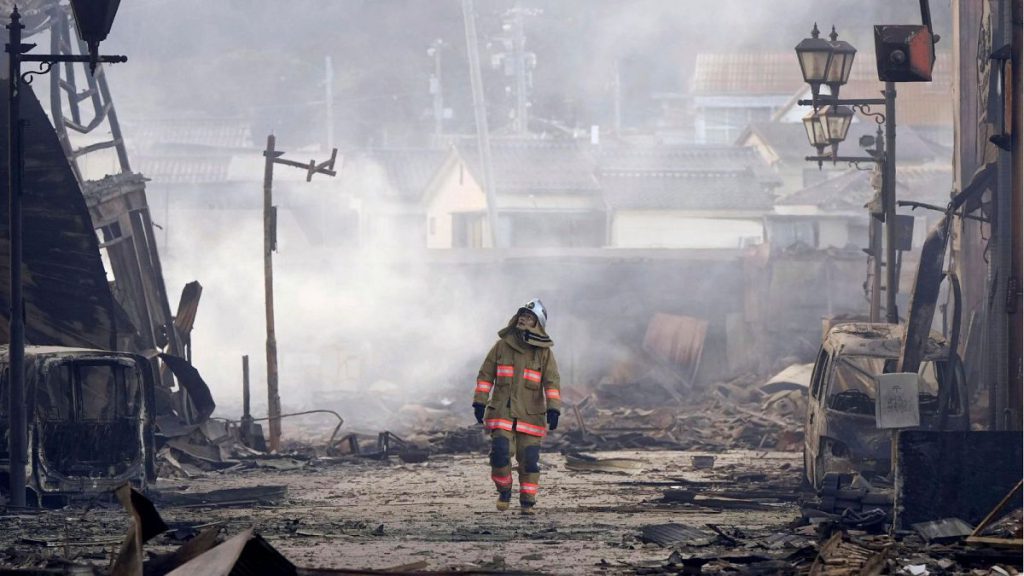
pixel 375 515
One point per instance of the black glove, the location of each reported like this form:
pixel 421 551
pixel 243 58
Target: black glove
pixel 478 411
pixel 552 419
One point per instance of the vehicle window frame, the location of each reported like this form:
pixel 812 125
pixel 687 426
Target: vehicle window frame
pixel 119 389
pixel 821 369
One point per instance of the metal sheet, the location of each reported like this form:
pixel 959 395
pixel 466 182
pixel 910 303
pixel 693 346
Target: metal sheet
pixel 192 382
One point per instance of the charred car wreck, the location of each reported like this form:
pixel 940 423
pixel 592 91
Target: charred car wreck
pixel 89 425
pixel 840 433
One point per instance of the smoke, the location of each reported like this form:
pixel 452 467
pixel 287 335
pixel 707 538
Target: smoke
pixel 354 326
pixel 384 321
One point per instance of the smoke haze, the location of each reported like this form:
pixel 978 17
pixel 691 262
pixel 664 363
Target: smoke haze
pixel 383 319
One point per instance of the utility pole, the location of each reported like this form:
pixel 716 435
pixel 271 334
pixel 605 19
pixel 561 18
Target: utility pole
pixel 246 422
pixel 436 87
pixel 273 156
pixel 617 96
pixel 329 100
pixel 480 113
pixel 521 124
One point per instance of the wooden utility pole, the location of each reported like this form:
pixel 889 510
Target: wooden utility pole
pixel 273 156
pixel 483 137
pixel 246 423
pixel 519 50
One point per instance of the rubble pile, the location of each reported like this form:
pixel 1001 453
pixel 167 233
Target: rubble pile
pixel 727 415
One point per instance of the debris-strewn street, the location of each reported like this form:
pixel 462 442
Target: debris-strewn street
pixel 384 514
pixel 654 287
pixel 624 512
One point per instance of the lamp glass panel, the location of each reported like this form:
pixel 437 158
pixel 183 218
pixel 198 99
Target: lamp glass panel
pixel 841 64
pixel 814 55
pixel 814 65
pixel 837 122
pixel 815 130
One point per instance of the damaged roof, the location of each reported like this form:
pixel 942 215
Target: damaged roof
pixel 206 169
pixel 152 133
pixel 406 170
pixel 691 177
pixel 775 74
pixel 852 190
pixel 747 74
pixel 525 166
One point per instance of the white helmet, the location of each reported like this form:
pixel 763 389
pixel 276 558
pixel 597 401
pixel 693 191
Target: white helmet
pixel 537 308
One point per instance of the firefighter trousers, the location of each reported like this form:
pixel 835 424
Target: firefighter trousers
pixel 526 448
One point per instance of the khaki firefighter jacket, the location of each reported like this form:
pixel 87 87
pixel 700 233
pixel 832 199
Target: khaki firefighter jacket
pixel 519 382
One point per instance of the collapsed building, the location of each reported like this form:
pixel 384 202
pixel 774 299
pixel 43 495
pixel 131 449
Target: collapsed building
pixel 95 299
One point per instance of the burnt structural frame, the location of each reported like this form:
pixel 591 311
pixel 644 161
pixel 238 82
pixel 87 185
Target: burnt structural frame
pixel 17 419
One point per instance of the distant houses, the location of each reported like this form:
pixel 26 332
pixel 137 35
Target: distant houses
pixel 741 181
pixel 556 194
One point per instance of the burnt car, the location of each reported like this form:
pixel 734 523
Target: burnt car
pixel 89 424
pixel 840 434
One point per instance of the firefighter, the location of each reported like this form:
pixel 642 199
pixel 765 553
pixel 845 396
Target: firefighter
pixel 517 400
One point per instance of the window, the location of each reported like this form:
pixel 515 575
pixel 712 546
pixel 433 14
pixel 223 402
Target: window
pixel 853 386
pixel 786 233
pixel 820 373
pixel 88 391
pixel 98 392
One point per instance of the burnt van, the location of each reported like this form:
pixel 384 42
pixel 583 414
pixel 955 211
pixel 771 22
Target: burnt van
pixel 840 433
pixel 88 419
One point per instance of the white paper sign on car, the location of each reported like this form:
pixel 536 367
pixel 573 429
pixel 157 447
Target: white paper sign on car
pixel 897 405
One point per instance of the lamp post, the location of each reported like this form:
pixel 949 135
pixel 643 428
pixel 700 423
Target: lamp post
pixel 93 20
pixel 830 63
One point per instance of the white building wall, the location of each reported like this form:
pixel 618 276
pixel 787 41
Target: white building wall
pixel 456 192
pixel 667 229
pixel 832 233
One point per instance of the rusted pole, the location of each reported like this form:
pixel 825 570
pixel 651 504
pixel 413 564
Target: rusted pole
pixel 892 280
pixel 246 413
pixel 246 422
pixel 875 242
pixel 17 420
pixel 480 115
pixel 269 244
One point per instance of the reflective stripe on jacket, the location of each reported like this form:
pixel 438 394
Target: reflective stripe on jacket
pixel 518 382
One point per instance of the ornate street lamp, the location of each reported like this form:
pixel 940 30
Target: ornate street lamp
pixel 830 63
pixel 835 121
pixel 93 19
pixel 815 55
pixel 840 65
pixel 816 132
